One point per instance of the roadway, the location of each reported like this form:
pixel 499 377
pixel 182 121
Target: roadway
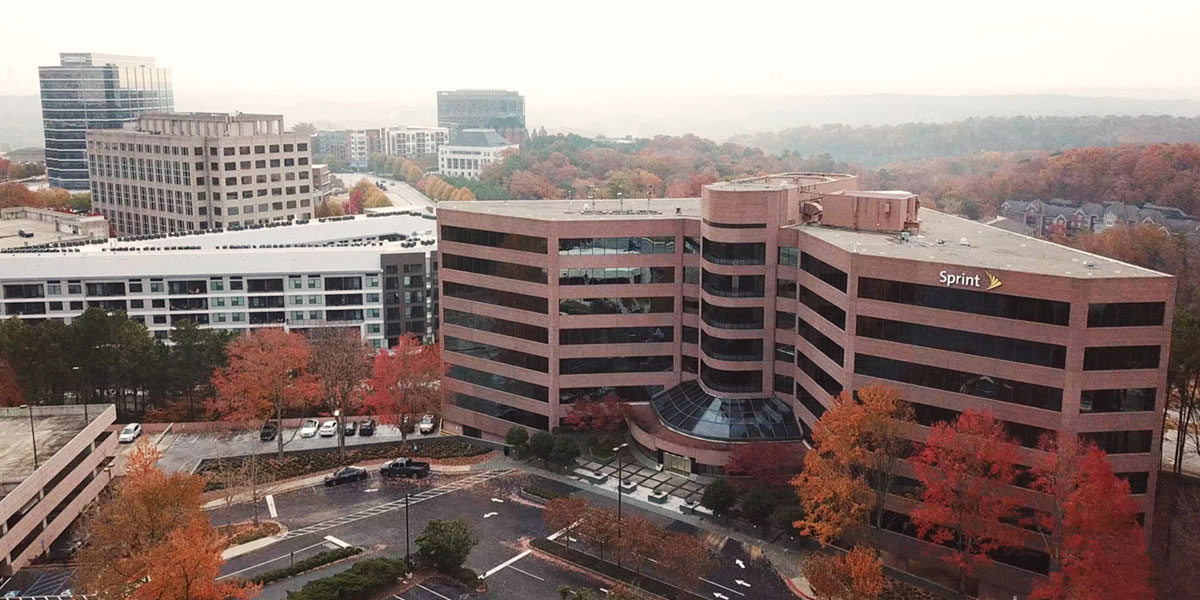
pixel 400 193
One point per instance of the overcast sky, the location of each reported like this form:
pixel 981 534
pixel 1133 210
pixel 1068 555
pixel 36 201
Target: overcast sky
pixel 402 49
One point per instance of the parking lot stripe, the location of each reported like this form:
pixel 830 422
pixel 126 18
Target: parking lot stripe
pixel 721 586
pixel 433 592
pixel 267 562
pixel 271 506
pixel 527 573
pixel 506 563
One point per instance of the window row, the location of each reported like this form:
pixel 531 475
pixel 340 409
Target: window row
pixel 826 309
pixel 1126 314
pixel 616 306
pixel 502 412
pixel 725 317
pixel 1114 358
pixel 1109 401
pixel 618 364
pixel 616 335
pixel 971 384
pixel 625 393
pixel 734 286
pixel 827 382
pixel 732 382
pixel 991 304
pixel 747 349
pixel 494 268
pixel 616 275
pixel 501 383
pixel 823 271
pixel 734 253
pixel 494 239
pixel 503 298
pixel 616 245
pixel 507 356
pixel 822 342
pixel 966 342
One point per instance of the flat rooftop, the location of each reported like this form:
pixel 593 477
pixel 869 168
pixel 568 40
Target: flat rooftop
pixel 16 445
pixel 43 233
pixel 583 210
pixel 987 247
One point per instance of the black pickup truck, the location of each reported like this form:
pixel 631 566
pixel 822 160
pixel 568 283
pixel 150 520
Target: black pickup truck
pixel 404 467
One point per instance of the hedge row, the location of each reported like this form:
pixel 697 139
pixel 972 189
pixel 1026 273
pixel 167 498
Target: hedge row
pixel 255 533
pixel 649 584
pixel 308 564
pixel 326 459
pixel 543 493
pixel 365 578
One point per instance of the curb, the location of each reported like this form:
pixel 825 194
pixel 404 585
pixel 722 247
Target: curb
pixel 248 547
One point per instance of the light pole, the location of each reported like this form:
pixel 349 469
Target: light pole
pixel 406 530
pixel 32 435
pixel 620 487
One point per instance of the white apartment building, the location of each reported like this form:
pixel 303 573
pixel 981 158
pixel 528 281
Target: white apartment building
pixel 190 171
pixel 376 275
pixel 408 140
pixel 472 150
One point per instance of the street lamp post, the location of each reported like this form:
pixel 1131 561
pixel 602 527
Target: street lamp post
pixel 32 435
pixel 620 488
pixel 406 529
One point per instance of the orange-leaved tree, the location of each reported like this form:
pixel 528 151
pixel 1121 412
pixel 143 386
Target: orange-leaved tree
pixel 562 514
pixel 966 468
pixel 854 575
pixel 1102 552
pixel 187 567
pixel 131 534
pixel 405 381
pixel 267 376
pixel 857 452
pixel 341 361
pixel 12 392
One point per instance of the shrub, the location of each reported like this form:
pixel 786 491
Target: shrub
pixel 543 493
pixel 308 564
pixel 758 504
pixel 719 496
pixel 565 451
pixel 254 533
pixel 446 544
pixel 542 444
pixel 363 579
pixel 517 436
pixel 786 515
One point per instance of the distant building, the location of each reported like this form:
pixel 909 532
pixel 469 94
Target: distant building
pixel 501 110
pixel 362 144
pixel 322 184
pixel 94 91
pixel 191 171
pixel 44 226
pixel 56 461
pixel 332 145
pixel 412 141
pixel 472 150
pixel 1064 217
pixel 27 155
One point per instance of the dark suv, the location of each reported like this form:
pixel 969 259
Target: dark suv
pixel 268 432
pixel 366 427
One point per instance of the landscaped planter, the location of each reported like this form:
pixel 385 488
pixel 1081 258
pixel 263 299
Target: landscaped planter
pixel 659 497
pixel 628 487
pixel 591 476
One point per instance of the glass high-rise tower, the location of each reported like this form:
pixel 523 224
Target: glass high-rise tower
pixel 94 91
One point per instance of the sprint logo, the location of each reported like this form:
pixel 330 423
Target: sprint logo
pixel 947 278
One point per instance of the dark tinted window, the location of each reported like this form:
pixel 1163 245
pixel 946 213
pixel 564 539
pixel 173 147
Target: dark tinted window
pixel 616 335
pixel 822 342
pixel 500 411
pixel 966 342
pixel 631 393
pixel 499 382
pixel 1120 442
pixel 734 286
pixel 616 245
pixel 823 271
pixel 1106 358
pixel 733 253
pixel 524 331
pixel 724 317
pixel 731 349
pixel 809 401
pixel 620 364
pixel 506 356
pixel 495 297
pixel 827 382
pixel 494 268
pixel 732 382
pixel 1126 314
pixel 1127 400
pixel 982 386
pixel 616 306
pixel 979 303
pixel 616 275
pixel 494 239
pixel 829 311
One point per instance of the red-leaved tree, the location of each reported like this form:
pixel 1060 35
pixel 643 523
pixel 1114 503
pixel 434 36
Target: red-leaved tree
pixel 601 418
pixel 1102 553
pixel 268 375
pixel 405 381
pixel 11 391
pixel 966 468
pixel 770 464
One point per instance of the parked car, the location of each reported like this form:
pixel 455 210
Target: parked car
pixel 269 431
pixel 408 424
pixel 308 428
pixel 131 433
pixel 427 425
pixel 350 428
pixel 328 429
pixel 405 467
pixel 346 475
pixel 366 427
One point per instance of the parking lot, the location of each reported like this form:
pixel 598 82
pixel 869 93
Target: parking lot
pixel 183 451
pixel 371 514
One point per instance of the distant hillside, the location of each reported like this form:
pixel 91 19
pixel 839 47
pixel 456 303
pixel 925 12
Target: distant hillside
pixel 20 122
pixel 874 146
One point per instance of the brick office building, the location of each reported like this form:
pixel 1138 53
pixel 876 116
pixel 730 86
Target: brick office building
pixel 739 316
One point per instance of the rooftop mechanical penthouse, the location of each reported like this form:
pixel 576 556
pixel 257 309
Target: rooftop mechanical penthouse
pixel 740 316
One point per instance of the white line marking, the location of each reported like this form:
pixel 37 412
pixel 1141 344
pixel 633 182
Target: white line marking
pixel 740 563
pixel 271 506
pixel 741 583
pixel 433 592
pixel 721 586
pixel 267 562
pixel 527 573
pixel 490 515
pixel 371 490
pixel 336 542
pixel 510 561
pixel 497 500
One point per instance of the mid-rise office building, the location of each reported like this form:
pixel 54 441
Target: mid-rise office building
pixel 742 315
pixel 190 171
pixel 472 151
pixel 361 144
pixel 94 91
pixel 500 110
pixel 374 274
pixel 332 145
pixel 56 461
pixel 413 141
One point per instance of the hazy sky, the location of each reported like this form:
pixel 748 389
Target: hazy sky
pixel 406 49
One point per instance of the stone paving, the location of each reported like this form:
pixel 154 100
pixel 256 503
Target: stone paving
pixel 646 478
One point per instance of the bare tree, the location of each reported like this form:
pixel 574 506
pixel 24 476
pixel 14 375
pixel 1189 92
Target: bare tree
pixel 342 362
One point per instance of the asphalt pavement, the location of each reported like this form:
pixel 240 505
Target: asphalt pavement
pixel 400 193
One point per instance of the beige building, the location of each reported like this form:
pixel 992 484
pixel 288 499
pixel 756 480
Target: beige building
pixel 191 171
pixel 471 152
pixel 27 226
pixel 53 463
pixel 409 140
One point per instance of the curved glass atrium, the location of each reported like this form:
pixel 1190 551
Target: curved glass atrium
pixel 689 409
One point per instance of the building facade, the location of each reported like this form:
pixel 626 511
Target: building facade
pixel 45 225
pixel 742 315
pixel 94 91
pixel 175 172
pixel 412 141
pixel 472 151
pixel 57 461
pixel 500 110
pixel 344 273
